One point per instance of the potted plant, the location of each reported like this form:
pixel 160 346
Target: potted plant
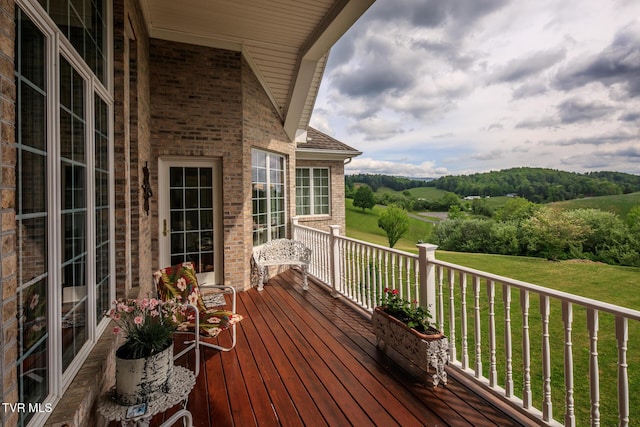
pixel 144 363
pixel 406 327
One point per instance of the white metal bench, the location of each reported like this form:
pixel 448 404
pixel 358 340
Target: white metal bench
pixel 282 252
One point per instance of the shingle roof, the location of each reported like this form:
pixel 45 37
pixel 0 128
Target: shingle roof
pixel 317 140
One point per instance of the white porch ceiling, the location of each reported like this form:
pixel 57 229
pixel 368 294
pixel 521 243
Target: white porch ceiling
pixel 284 41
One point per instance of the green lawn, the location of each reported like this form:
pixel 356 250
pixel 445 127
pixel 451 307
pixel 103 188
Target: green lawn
pixel 620 204
pixel 364 226
pixel 613 284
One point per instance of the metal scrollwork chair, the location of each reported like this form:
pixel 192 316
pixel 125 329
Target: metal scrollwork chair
pixel 211 317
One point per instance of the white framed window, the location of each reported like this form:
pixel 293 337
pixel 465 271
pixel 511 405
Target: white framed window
pixel 64 193
pixel 268 196
pixel 312 191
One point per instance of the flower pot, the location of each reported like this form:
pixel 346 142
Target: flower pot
pixel 142 380
pixel 425 350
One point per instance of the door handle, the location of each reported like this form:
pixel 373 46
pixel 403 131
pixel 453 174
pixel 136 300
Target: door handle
pixel 164 223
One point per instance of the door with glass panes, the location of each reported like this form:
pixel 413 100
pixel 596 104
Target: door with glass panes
pixel 189 216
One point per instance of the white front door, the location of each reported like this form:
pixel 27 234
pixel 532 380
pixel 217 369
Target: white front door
pixel 190 221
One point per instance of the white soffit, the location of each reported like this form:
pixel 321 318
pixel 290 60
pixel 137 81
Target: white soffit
pixel 284 41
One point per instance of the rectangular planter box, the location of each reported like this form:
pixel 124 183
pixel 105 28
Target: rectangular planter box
pixel 424 350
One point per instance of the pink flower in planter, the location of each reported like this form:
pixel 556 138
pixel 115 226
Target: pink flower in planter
pixel 138 320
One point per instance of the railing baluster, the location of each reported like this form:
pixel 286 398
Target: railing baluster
pixel 416 280
pixel 477 323
pixel 508 351
pixel 622 336
pixel 393 272
pixel 526 350
pixel 452 315
pixel 440 299
pixel 400 275
pixel 594 375
pixel 463 321
pixel 567 318
pixel 387 264
pixel 547 408
pixel 493 371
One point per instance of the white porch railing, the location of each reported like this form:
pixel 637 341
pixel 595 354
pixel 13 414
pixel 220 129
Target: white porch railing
pixel 533 358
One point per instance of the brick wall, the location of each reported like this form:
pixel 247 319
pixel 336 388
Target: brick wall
pixel 207 103
pixel 8 264
pixel 131 148
pixel 197 113
pixel 337 215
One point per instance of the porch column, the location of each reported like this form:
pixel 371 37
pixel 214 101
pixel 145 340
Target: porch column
pixel 334 257
pixel 427 271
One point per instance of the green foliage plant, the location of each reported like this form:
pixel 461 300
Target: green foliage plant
pixel 410 313
pixel 364 198
pixel 395 222
pixel 516 209
pixel 148 325
pixel 553 234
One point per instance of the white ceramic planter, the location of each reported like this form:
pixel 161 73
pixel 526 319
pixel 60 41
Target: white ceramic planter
pixel 143 380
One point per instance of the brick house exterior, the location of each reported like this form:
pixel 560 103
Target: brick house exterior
pixel 167 99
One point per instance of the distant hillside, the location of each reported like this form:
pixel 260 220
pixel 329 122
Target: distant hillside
pixel 539 185
pixel 376 181
pixel 620 204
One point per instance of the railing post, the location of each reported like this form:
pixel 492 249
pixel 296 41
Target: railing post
pixel 334 257
pixel 426 253
pixel 294 227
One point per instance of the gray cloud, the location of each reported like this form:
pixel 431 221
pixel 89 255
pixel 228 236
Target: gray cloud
pixel 434 13
pixel 521 68
pixel 529 89
pixel 491 155
pixel 632 116
pixel 545 122
pixel 612 138
pixel 619 63
pixel 577 110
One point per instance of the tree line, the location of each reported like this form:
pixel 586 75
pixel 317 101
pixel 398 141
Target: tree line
pixel 376 181
pixel 539 185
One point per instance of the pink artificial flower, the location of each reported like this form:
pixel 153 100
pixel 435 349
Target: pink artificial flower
pixel 138 320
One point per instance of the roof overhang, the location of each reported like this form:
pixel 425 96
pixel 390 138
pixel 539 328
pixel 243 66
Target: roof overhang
pixel 328 155
pixel 285 46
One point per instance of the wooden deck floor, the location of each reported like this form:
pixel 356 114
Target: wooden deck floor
pixel 304 358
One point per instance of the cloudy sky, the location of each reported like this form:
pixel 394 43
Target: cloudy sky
pixel 426 88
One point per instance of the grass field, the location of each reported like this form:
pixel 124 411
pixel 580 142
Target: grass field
pixel 612 284
pixel 364 226
pixel 620 204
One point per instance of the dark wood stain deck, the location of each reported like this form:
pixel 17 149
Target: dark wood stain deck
pixel 307 359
